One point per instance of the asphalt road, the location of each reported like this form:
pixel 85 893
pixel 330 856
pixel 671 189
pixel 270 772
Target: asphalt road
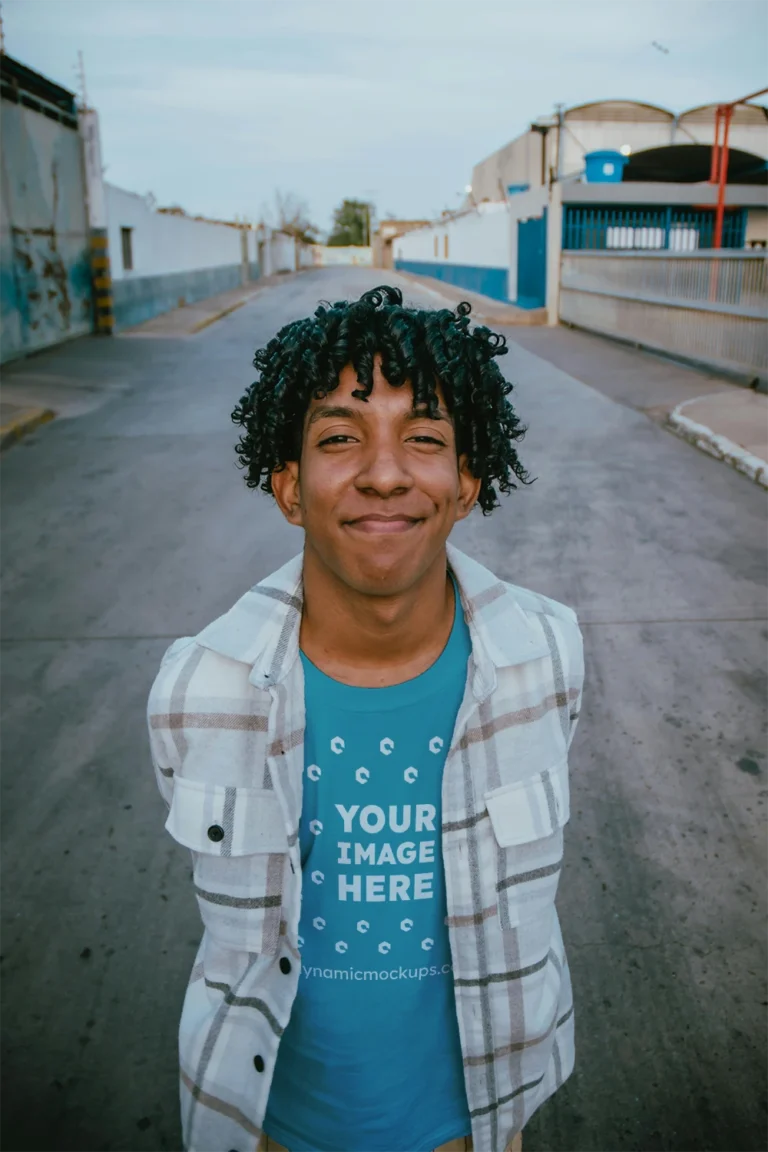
pixel 129 525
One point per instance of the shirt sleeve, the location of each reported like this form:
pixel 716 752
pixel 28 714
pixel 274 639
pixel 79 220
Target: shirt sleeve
pixel 575 677
pixel 161 747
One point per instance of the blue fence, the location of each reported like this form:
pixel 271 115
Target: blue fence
pixel 491 282
pixel 639 227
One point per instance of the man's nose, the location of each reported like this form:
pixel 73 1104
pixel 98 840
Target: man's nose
pixel 384 470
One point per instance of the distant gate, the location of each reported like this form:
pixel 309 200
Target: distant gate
pixel 532 262
pixel 45 276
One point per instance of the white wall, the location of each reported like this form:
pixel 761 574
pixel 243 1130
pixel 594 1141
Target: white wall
pixel 484 238
pixel 519 161
pixel 325 257
pixel 165 244
pixel 306 256
pixel 280 254
pixel 554 253
pixel 479 239
pixel 583 136
pixel 757 226
pixel 88 121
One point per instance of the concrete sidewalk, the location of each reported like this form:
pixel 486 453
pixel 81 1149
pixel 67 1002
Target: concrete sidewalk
pixel 484 308
pixel 193 318
pixel 712 412
pixel 33 394
pixel 733 426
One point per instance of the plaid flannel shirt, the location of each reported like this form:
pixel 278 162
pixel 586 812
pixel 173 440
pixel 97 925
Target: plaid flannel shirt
pixel 226 722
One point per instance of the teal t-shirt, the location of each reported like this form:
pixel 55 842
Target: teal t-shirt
pixel 371 1059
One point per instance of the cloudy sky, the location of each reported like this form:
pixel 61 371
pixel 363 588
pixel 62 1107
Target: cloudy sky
pixel 213 104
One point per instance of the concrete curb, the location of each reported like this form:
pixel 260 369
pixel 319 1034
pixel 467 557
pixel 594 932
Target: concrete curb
pixel 24 422
pixel 718 446
pixel 492 312
pixel 218 316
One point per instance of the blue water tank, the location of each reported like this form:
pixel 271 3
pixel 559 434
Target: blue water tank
pixel 604 167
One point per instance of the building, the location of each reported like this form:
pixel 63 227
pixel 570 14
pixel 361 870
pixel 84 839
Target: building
pixel 46 292
pixel 161 259
pixel 615 174
pixel 79 255
pixel 657 144
pixel 386 234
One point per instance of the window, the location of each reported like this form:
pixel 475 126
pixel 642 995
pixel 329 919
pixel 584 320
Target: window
pixel 437 251
pixel 445 246
pixel 127 245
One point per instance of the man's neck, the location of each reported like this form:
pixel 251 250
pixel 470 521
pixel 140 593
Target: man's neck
pixel 374 641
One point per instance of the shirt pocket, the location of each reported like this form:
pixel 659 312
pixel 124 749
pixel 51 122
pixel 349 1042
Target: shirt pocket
pixel 527 819
pixel 240 854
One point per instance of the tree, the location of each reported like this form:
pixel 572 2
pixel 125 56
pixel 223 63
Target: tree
pixel 352 222
pixel 291 215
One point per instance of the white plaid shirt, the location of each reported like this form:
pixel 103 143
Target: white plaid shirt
pixel 226 721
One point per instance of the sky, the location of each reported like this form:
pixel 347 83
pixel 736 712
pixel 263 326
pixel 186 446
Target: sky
pixel 215 104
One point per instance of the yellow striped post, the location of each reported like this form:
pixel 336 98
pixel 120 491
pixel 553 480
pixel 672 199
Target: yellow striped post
pixel 101 277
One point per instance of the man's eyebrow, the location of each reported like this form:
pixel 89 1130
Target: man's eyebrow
pixel 423 413
pixel 327 411
pixel 339 412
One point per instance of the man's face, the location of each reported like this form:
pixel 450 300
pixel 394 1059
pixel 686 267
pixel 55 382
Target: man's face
pixel 378 487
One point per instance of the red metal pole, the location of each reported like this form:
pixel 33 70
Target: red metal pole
pixel 720 213
pixel 714 170
pixel 751 96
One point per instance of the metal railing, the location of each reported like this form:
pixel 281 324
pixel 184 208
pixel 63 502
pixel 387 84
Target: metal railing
pixel 711 306
pixel 674 227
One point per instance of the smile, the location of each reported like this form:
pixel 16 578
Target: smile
pixel 383 525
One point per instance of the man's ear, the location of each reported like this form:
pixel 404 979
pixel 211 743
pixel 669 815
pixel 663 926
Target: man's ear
pixel 285 485
pixel 469 489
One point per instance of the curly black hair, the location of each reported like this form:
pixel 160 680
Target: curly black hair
pixel 418 347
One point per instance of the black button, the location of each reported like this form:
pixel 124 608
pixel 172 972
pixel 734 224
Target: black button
pixel 285 965
pixel 215 833
pixel 258 1063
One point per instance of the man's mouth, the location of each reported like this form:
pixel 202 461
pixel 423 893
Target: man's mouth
pixel 378 524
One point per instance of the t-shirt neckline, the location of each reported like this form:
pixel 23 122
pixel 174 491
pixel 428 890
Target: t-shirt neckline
pixel 412 691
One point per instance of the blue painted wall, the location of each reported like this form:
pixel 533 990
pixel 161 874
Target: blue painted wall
pixel 140 298
pixel 488 281
pixel 45 282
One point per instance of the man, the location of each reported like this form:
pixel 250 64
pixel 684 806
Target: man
pixel 367 756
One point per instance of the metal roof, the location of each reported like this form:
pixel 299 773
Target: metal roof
pixel 21 85
pixel 742 114
pixel 619 111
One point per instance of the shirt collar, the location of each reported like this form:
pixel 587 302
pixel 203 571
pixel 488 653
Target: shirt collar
pixel 262 628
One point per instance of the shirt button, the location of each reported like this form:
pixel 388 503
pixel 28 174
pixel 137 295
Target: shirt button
pixel 215 833
pixel 285 965
pixel 258 1063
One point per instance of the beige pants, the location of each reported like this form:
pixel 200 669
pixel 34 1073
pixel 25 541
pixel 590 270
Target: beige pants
pixel 462 1145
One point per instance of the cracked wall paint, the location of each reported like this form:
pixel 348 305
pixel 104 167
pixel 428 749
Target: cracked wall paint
pixel 45 279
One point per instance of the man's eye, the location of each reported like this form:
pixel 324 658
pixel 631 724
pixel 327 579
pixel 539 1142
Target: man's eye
pixel 339 438
pixel 427 440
